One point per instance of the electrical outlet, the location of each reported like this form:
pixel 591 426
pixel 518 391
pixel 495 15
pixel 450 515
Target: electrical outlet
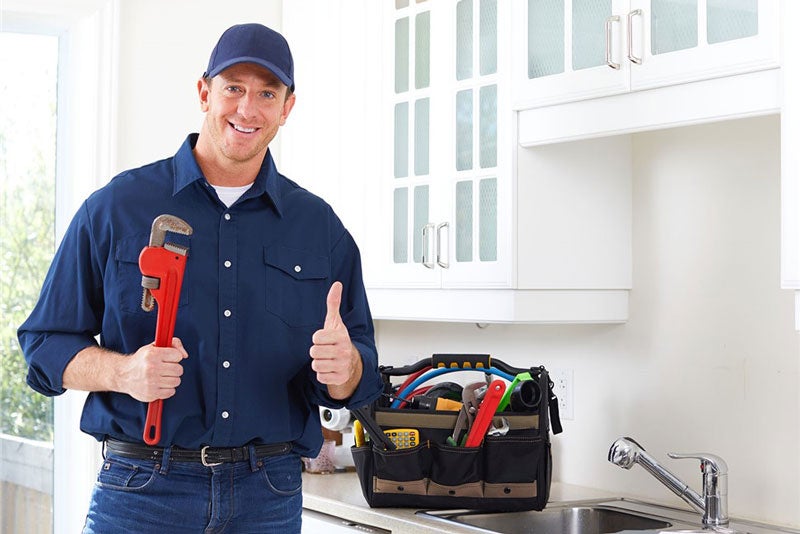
pixel 562 387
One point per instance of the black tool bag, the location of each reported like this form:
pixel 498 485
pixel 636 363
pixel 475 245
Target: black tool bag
pixel 507 472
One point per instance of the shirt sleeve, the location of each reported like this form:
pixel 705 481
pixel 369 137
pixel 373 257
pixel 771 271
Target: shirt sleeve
pixel 346 268
pixel 68 313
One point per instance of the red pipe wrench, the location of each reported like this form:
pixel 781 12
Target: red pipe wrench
pixel 162 265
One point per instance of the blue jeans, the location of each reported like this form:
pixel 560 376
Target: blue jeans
pixel 262 495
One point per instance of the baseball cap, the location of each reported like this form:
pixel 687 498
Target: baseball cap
pixel 253 43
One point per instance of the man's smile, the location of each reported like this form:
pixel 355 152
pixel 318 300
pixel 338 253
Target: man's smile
pixel 242 128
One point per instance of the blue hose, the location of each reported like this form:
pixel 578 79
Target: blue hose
pixel 440 371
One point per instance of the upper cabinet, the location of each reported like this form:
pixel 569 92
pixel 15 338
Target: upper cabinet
pixel 465 227
pixel 573 50
pixel 608 67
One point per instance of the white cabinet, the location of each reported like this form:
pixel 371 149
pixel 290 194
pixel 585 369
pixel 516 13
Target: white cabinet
pixel 466 228
pixel 570 50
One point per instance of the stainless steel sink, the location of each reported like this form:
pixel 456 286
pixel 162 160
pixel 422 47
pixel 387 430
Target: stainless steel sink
pixel 596 517
pixel 569 520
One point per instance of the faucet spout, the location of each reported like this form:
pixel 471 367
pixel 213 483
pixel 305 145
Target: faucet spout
pixel 625 452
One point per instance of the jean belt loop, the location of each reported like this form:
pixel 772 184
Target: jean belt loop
pixel 251 450
pixel 165 460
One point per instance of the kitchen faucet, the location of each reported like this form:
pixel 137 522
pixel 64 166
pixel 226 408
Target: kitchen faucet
pixel 713 504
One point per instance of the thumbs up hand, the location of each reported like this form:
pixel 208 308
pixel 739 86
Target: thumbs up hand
pixel 334 357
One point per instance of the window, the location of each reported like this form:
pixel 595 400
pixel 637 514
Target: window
pixel 27 241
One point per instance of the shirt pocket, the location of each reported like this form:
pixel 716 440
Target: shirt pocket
pixel 130 277
pixel 296 285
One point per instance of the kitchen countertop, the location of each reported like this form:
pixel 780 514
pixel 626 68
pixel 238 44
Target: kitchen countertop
pixel 339 495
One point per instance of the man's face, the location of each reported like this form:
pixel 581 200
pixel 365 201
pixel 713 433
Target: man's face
pixel 245 105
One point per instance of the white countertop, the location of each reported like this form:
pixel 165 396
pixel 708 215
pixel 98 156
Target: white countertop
pixel 339 495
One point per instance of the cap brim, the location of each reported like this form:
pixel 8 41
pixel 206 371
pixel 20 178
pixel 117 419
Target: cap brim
pixel 258 61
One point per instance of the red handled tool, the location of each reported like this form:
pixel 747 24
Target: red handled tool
pixel 485 413
pixel 162 265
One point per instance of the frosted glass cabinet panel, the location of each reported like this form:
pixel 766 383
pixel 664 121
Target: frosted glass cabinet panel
pixel 444 216
pixel 677 41
pixel 582 49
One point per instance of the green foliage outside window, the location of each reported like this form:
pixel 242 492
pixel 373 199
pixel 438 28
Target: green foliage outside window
pixel 27 219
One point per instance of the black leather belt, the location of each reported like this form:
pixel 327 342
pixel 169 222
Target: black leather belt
pixel 208 456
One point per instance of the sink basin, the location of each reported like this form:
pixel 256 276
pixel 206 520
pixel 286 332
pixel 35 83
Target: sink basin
pixel 569 520
pixel 604 516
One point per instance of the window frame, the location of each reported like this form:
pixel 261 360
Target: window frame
pixel 86 151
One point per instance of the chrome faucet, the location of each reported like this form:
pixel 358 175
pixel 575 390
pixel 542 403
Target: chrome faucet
pixel 713 504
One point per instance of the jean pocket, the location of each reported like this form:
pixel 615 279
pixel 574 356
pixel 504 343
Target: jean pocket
pixel 283 474
pixel 123 475
pixel 297 282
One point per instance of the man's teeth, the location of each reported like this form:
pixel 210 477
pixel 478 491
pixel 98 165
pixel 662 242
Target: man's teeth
pixel 243 129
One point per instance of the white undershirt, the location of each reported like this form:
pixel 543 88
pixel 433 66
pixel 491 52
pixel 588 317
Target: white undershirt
pixel 229 195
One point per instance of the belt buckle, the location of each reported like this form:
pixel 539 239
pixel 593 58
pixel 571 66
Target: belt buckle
pixel 206 463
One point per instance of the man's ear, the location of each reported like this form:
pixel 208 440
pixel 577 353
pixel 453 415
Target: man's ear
pixel 202 90
pixel 288 104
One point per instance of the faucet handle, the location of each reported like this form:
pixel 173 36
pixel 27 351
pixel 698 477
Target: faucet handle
pixel 715 487
pixel 711 464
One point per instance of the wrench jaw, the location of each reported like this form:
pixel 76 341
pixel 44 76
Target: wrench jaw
pixel 158 234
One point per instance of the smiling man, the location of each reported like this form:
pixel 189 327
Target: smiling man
pixel 273 319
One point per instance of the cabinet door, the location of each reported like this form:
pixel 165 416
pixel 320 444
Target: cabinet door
pixel 398 250
pixel 566 50
pixel 476 245
pixel 687 40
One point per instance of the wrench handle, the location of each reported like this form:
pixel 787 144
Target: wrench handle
pixel 152 425
pixel 168 267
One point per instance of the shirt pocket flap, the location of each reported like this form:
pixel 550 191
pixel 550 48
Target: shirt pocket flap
pixel 299 264
pixel 129 248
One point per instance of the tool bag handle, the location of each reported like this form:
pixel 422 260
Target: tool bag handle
pixel 461 361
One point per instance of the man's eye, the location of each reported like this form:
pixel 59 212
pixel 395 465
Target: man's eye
pixel 268 94
pixel 232 89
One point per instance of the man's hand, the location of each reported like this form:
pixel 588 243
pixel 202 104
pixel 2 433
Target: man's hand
pixel 334 357
pixel 153 372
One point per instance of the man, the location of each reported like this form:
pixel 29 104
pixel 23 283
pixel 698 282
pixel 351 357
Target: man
pixel 273 318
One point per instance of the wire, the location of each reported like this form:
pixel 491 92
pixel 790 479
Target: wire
pixel 440 371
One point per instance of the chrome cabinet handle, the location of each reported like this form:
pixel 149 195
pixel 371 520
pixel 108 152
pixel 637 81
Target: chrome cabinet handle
pixel 427 257
pixel 445 264
pixel 631 57
pixel 609 47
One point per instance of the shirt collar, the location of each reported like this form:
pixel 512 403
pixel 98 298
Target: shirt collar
pixel 188 171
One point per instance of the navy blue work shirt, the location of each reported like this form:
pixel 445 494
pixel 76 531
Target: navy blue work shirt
pixel 254 292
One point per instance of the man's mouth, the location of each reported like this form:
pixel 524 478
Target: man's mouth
pixel 242 128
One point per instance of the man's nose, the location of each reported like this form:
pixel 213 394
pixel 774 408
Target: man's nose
pixel 246 106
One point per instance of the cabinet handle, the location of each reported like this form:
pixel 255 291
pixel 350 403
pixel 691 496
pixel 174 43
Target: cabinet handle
pixel 445 264
pixel 427 257
pixel 631 57
pixel 609 59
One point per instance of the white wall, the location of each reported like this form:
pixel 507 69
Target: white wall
pixel 163 51
pixel 708 361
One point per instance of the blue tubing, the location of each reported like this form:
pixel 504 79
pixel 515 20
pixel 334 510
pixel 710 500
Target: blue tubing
pixel 440 371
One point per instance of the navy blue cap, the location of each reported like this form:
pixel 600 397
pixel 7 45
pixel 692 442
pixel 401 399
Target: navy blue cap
pixel 253 43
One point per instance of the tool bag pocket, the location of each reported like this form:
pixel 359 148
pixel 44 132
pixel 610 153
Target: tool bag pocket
pixel 507 472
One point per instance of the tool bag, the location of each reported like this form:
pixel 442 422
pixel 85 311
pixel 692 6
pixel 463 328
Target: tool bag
pixel 509 472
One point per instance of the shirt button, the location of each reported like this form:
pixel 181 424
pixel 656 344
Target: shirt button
pixel 227 216
pixel 227 263
pixel 226 364
pixel 225 415
pixel 226 313
pixel 297 268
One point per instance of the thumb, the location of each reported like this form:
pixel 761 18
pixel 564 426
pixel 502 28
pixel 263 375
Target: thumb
pixel 334 301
